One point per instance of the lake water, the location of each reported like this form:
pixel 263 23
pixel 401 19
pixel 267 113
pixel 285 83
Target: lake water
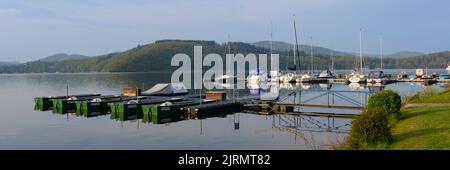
pixel 23 128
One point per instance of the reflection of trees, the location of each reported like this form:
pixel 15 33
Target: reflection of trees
pixel 306 128
pixel 95 81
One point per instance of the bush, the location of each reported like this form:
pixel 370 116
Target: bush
pixel 387 99
pixel 369 129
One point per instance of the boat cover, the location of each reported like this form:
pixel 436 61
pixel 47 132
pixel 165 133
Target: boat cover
pixel 166 89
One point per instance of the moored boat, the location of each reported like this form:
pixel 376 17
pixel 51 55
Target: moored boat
pixel 376 77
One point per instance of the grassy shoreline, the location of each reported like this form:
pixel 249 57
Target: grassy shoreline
pixel 423 128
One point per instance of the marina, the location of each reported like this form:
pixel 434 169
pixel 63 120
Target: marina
pixel 173 101
pixel 253 114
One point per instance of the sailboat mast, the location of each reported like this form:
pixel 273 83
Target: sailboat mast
pixel 271 45
pixel 312 60
pixel 296 44
pixel 332 60
pixel 360 51
pixel 272 68
pixel 229 52
pixel 229 46
pixel 381 53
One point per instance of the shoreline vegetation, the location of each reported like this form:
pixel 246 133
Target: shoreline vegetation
pixel 426 127
pixel 142 59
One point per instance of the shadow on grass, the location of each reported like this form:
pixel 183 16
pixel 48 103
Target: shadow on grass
pixel 420 112
pixel 418 133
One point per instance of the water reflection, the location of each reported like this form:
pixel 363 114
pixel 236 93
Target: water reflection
pixel 23 128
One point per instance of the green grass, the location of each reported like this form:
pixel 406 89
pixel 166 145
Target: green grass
pixel 422 129
pixel 430 96
pixel 425 128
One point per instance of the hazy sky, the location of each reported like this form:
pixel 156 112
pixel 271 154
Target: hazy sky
pixel 38 28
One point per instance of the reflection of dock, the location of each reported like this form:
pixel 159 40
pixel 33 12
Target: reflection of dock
pixel 318 99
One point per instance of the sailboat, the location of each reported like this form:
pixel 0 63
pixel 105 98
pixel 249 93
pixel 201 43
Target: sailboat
pixel 260 75
pixel 293 76
pixel 328 74
pixel 358 77
pixel 378 76
pixel 227 78
pixel 274 72
pixel 308 77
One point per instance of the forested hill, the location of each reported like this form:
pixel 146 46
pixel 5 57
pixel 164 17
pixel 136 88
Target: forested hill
pixel 157 57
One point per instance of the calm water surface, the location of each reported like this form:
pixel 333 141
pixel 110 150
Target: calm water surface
pixel 23 128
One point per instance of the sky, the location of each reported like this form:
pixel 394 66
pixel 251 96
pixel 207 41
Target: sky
pixel 30 30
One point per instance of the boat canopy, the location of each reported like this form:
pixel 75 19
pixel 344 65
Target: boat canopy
pixel 376 74
pixel 326 74
pixel 169 89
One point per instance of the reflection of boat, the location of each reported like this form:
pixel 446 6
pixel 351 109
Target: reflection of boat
pixel 257 76
pixel 376 77
pixel 375 84
pixel 304 86
pixel 287 86
pixel 376 87
pixel 356 86
pixel 326 86
pixel 271 94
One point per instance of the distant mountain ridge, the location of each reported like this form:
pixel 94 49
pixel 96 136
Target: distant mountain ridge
pixel 9 63
pixel 404 54
pixel 157 56
pixel 62 57
pixel 283 46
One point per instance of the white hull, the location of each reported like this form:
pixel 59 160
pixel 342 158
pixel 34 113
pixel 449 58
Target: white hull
pixel 304 79
pixel 256 79
pixel 357 78
pixel 289 78
pixel 376 80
